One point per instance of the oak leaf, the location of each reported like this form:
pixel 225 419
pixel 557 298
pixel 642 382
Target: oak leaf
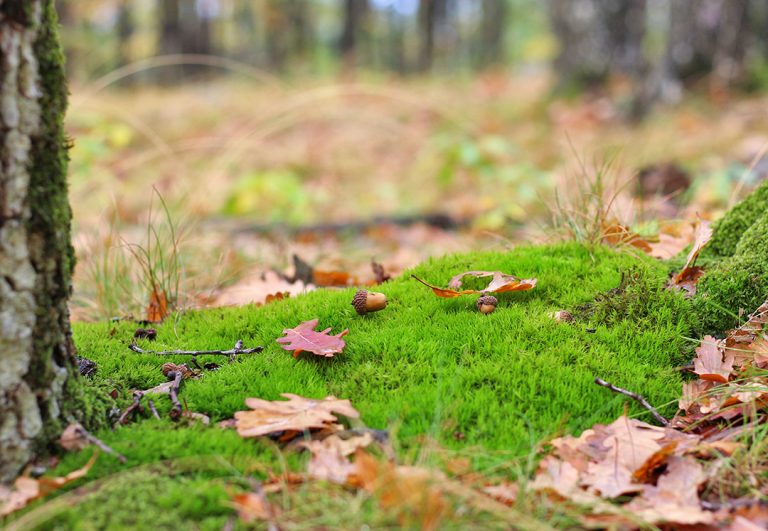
pixel 295 415
pixel 709 363
pixel 304 337
pixel 675 497
pixel 329 461
pixel 500 283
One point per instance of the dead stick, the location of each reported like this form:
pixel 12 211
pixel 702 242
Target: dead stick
pixel 176 410
pixel 98 442
pixel 137 395
pixel 153 409
pixel 634 396
pixel 232 352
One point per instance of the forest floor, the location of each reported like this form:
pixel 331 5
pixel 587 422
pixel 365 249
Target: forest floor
pixel 257 171
pixel 455 418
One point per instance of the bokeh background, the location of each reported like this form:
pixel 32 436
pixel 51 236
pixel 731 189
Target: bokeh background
pixel 213 140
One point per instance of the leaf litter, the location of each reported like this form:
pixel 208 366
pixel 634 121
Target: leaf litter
pixel 304 337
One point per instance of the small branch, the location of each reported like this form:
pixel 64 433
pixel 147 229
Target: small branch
pixel 153 409
pixel 231 353
pixel 634 396
pixel 176 410
pixel 98 442
pixel 137 396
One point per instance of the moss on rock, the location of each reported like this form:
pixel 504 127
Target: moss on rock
pixel 738 284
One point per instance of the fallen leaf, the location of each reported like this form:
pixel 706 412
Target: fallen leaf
pixel 329 456
pixel 254 506
pixel 696 393
pixel 616 234
pixel 709 363
pixel 296 415
pixel 379 274
pixel 500 283
pixel 332 279
pixel 157 310
pixel 688 277
pixel 26 489
pixel 73 438
pixel 675 498
pixel 304 337
pixel 414 491
pixel 505 493
pixel 649 470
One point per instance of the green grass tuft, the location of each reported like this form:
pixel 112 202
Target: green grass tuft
pixel 423 366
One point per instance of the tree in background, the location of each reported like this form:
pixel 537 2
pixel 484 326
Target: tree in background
pixel 37 381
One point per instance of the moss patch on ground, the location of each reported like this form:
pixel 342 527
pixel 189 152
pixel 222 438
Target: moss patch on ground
pixel 484 386
pixel 737 282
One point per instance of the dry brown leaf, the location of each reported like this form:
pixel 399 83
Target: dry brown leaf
pixel 304 337
pixel 696 393
pixel 505 493
pixel 26 489
pixel 254 507
pixel 329 456
pixel 332 279
pixel 295 415
pixel 616 234
pixel 709 363
pixel 688 277
pixel 157 310
pixel 73 439
pixel 650 469
pixel 501 283
pixel 675 498
pixel 415 492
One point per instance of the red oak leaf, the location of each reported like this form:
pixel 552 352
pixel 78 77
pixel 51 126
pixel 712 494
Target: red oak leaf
pixel 305 338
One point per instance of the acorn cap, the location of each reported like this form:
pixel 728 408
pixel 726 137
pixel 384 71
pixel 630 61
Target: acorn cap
pixel 487 300
pixel 359 301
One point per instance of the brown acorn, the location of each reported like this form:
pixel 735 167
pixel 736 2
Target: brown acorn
pixel 369 301
pixel 487 303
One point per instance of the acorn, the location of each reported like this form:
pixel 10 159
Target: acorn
pixel 369 301
pixel 487 303
pixel 562 316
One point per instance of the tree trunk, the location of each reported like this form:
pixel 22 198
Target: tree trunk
pixel 494 23
pixel 36 256
pixel 355 13
pixel 597 37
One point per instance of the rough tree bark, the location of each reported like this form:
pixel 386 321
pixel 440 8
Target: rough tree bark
pixel 36 256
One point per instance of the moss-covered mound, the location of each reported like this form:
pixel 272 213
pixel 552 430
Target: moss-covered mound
pixel 738 280
pixel 729 230
pixel 487 386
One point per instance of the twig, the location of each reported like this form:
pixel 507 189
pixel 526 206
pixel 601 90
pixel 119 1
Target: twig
pixel 231 353
pixel 176 410
pixel 137 395
pixel 153 409
pixel 634 396
pixel 98 442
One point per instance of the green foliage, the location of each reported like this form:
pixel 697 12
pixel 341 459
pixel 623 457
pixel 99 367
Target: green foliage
pixel 423 366
pixel 736 286
pixel 641 297
pixel 271 195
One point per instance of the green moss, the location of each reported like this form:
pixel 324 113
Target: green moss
pixel 424 366
pixel 737 285
pixel 729 230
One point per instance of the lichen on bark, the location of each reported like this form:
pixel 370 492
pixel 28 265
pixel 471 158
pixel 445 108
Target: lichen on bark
pixel 38 385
